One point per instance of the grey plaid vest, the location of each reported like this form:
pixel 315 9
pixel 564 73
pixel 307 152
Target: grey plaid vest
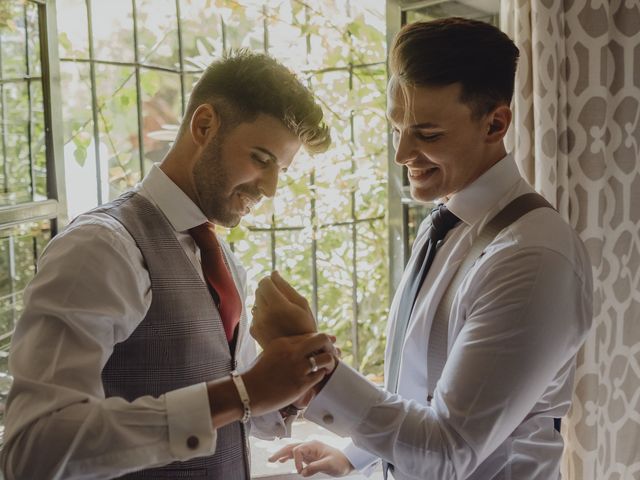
pixel 179 343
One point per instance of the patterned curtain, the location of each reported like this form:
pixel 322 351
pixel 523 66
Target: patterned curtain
pixel 576 138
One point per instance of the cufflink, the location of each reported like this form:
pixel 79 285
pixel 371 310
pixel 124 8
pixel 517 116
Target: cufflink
pixel 328 419
pixel 193 442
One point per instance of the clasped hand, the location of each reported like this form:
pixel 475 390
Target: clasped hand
pixel 279 311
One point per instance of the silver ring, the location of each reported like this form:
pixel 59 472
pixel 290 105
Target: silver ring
pixel 254 309
pixel 314 365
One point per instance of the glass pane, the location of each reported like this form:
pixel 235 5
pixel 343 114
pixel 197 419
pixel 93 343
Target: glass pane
pixel 38 141
pixel 334 180
pixel 373 295
pixel 13 40
pixel 370 126
pixel 118 125
pixel 201 33
pixel 158 32
pixel 20 247
pixel 161 111
pixel 416 214
pixel 293 260
pixel 112 23
pixel 335 286
pixel 326 37
pixel 73 28
pixel 287 35
pixel 14 111
pixel 33 35
pixel 244 25
pixel 253 249
pixel 292 203
pixel 453 8
pixel 79 147
pixel 367 31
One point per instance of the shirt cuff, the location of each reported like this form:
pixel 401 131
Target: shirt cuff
pixel 270 426
pixel 191 432
pixel 344 401
pixel 362 460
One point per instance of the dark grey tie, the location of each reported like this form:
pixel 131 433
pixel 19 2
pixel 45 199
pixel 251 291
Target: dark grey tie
pixel 442 220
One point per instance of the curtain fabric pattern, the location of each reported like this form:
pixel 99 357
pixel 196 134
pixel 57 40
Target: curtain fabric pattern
pixel 576 138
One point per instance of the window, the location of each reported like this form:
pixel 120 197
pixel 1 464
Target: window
pixel 30 204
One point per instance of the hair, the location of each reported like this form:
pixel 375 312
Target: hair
pixel 457 50
pixel 243 84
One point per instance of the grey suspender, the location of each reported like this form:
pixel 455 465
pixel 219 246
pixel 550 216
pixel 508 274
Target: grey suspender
pixel 438 343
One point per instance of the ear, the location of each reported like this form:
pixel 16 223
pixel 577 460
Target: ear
pixel 205 123
pixel 497 123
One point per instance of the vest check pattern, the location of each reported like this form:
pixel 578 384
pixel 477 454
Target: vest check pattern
pixel 180 342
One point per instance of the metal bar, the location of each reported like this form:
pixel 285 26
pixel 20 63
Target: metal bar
pixel 51 94
pixel 223 27
pixel 115 63
pixel 94 104
pixel 19 80
pixel 12 275
pixel 265 28
pixel 398 252
pixel 32 173
pixel 136 54
pixel 413 5
pixel 28 212
pixel 3 103
pixel 355 338
pixel 183 87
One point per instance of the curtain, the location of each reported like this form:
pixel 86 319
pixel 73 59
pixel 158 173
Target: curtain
pixel 576 138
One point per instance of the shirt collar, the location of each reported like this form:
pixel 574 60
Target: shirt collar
pixel 176 205
pixel 473 202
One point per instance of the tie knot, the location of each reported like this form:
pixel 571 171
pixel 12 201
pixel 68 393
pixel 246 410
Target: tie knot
pixel 442 220
pixel 205 236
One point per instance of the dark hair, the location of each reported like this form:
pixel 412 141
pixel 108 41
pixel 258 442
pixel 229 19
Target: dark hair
pixel 450 50
pixel 244 84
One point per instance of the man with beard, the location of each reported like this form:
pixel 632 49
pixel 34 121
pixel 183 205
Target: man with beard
pixel 126 358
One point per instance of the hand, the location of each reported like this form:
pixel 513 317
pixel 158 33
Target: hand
pixel 283 372
pixel 318 457
pixel 279 311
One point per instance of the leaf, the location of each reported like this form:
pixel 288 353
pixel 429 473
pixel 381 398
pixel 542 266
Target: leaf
pixel 80 154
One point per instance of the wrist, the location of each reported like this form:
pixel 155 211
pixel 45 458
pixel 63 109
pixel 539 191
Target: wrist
pixel 243 395
pixel 225 405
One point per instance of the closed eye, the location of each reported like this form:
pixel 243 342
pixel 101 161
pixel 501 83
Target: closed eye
pixel 428 138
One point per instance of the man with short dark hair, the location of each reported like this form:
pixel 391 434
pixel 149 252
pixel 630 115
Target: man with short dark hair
pixel 494 303
pixel 134 329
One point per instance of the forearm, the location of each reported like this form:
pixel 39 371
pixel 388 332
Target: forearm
pixel 105 437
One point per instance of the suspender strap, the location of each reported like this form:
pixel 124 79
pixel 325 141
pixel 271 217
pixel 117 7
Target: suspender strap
pixel 438 339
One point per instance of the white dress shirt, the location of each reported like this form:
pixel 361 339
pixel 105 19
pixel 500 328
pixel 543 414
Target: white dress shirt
pixel 91 292
pixel 516 324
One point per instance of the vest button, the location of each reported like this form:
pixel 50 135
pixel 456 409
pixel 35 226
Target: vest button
pixel 193 442
pixel 328 419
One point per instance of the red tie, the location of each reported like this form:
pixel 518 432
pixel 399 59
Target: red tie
pixel 218 276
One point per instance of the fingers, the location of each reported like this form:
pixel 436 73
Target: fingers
pixel 267 293
pixel 284 454
pixel 316 342
pixel 288 291
pixel 324 465
pixel 324 361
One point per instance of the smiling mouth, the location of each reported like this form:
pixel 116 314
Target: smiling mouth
pixel 248 202
pixel 420 172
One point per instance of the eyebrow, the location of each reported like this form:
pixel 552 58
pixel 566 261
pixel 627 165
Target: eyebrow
pixel 425 125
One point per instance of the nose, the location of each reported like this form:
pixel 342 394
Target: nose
pixel 268 182
pixel 405 149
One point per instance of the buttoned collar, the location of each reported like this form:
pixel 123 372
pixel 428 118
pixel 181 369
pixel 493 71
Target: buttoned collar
pixel 176 205
pixel 473 202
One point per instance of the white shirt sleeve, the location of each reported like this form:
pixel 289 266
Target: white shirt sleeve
pixel 91 292
pixel 528 315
